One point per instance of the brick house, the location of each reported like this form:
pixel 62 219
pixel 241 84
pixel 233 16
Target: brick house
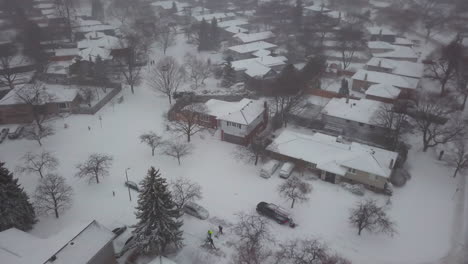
pixel 363 79
pixel 402 68
pixel 382 34
pixel 245 51
pixel 383 93
pixel 14 111
pixel 335 159
pixel 238 122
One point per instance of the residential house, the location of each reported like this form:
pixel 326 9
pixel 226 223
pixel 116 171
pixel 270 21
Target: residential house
pixel 336 160
pixel 401 68
pixel 260 67
pixel 243 38
pixel 382 34
pixel 358 115
pixel 59 99
pixel 245 51
pixel 362 79
pixel 380 46
pixel 401 53
pixel 220 17
pixel 383 92
pixel 90 244
pixel 238 121
pixel 316 9
pixel 403 42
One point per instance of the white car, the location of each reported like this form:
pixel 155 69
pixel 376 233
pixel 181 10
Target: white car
pixel 286 170
pixel 269 168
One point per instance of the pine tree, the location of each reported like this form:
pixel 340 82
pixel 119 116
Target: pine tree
pixel 97 10
pixel 229 74
pixel 174 8
pixel 344 89
pixel 214 34
pixel 15 209
pixel 159 223
pixel 203 36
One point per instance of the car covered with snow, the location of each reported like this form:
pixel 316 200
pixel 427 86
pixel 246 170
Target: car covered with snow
pixel 196 210
pixel 273 211
pixel 286 170
pixel 132 185
pixel 269 168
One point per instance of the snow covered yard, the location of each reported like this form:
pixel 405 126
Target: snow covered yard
pixel 423 209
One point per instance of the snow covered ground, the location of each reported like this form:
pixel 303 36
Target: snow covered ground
pixel 424 209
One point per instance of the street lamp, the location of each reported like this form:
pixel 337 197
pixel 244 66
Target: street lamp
pixel 128 187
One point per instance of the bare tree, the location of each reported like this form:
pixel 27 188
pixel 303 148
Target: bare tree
pixel 349 41
pixel 189 120
pixel 254 233
pixel 35 95
pixel 7 74
pixel 152 139
pixel 367 215
pixel 134 46
pixel 38 133
pixel 443 68
pixel 184 190
pixel 96 166
pixel 197 69
pixel 307 250
pixel 436 122
pixel 87 95
pixel 433 15
pixel 166 77
pixel 66 9
pixel 253 152
pixel 40 163
pixel 177 149
pixel 459 158
pixel 394 121
pixel 294 189
pixel 53 194
pixel 166 37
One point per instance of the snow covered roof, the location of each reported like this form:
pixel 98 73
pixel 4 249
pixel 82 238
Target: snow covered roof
pixel 94 35
pixel 261 53
pixel 335 14
pixel 380 31
pixel 66 52
pixel 18 247
pixel 402 41
pixel 379 45
pixel 399 52
pixel 256 67
pixel 404 68
pixel 383 90
pixel 317 8
pixel 236 30
pixel 252 37
pixel 168 4
pixel 55 94
pixel 334 155
pixel 44 6
pixel 93 52
pixel 243 112
pixel 232 23
pixel 46 12
pixel 386 78
pixel 362 111
pixel 209 17
pixel 59 67
pixel 84 246
pixel 107 42
pixel 251 47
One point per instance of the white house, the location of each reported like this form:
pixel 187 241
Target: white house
pixel 362 79
pixel 259 67
pixel 402 68
pixel 402 53
pixel 253 37
pixel 245 51
pixel 383 92
pixel 90 244
pixel 335 159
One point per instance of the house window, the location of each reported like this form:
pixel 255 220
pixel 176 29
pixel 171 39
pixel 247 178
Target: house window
pixel 234 124
pixel 63 105
pixel 205 118
pixel 351 170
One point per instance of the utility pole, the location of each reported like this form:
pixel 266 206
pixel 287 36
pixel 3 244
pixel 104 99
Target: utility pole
pixel 126 176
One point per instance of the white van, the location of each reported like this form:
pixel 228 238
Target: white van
pixel 286 170
pixel 269 168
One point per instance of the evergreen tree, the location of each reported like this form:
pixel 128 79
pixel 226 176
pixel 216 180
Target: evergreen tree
pixel 174 8
pixel 344 89
pixel 97 10
pixel 297 13
pixel 214 34
pixel 100 70
pixel 287 81
pixel 15 209
pixel 203 36
pixel 313 70
pixel 229 74
pixel 158 218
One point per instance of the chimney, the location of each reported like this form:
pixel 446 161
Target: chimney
pixel 391 164
pixel 380 63
pixel 347 99
pixel 380 32
pixel 365 77
pixel 339 15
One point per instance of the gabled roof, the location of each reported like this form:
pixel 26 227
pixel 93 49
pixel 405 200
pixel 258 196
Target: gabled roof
pixel 232 23
pixel 380 45
pixel 399 52
pixel 386 78
pixel 317 8
pixel 262 53
pixel 251 47
pixel 257 67
pixel 332 154
pixel 362 111
pixel 252 37
pixel 404 68
pixel 236 30
pixel 209 17
pixel 384 91
pixel 380 31
pixel 243 112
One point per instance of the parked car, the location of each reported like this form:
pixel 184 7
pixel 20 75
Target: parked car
pixel 4 134
pixel 286 170
pixel 280 215
pixel 196 210
pixel 132 185
pixel 17 133
pixel 119 230
pixel 269 168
